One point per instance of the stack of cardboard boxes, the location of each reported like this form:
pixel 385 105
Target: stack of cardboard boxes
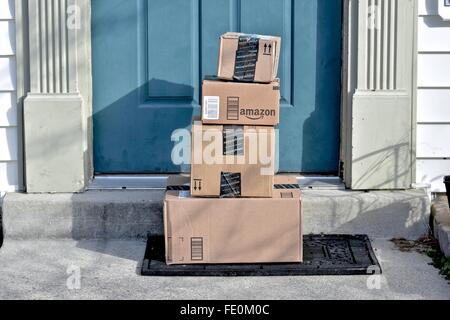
pixel 236 209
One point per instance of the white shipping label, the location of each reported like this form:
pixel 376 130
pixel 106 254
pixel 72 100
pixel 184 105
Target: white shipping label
pixel 211 109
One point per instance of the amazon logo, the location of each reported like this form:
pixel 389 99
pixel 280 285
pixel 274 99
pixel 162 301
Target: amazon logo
pixel 257 114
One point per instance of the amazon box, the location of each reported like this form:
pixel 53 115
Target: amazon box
pixel 236 103
pixel 249 58
pixel 234 231
pixel 232 161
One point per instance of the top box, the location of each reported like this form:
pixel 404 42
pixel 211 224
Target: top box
pixel 249 58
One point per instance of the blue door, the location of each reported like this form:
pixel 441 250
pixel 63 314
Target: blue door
pixel 149 59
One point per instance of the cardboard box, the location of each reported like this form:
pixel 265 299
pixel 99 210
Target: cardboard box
pixel 232 161
pixel 239 103
pixel 249 58
pixel 233 231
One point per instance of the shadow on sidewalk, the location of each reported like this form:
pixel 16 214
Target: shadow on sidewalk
pixel 133 250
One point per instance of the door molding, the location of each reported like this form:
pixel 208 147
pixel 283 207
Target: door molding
pixel 362 101
pixel 54 80
pixel 378 109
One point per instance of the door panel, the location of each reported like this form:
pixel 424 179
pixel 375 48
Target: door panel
pixel 149 58
pixel 172 49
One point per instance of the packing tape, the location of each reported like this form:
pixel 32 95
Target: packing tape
pixel 230 186
pixel 287 186
pixel 246 58
pixel 233 141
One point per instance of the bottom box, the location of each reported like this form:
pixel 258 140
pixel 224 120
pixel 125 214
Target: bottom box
pixel 234 231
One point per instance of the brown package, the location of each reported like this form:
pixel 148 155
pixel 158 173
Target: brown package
pixel 240 103
pixel 233 231
pixel 249 58
pixel 229 161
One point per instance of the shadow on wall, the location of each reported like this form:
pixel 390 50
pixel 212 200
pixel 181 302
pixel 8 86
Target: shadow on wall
pixel 133 134
pixel 321 130
pixel 394 176
pixel 8 72
pixel 10 114
pixel 432 6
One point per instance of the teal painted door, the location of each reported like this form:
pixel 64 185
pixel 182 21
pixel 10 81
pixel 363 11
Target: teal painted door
pixel 149 58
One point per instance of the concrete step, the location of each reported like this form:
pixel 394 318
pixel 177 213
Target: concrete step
pixel 440 212
pixel 134 214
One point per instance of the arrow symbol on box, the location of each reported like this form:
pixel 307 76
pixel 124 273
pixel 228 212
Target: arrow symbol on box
pixel 197 184
pixel 267 49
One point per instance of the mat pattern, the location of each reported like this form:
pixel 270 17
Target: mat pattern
pixel 324 255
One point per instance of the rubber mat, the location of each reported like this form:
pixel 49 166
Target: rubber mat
pixel 336 255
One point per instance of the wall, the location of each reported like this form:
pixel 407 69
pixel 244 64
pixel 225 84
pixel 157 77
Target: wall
pixel 8 107
pixel 433 96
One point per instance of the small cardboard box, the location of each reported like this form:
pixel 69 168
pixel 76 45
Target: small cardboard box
pixel 237 103
pixel 249 58
pixel 233 231
pixel 232 161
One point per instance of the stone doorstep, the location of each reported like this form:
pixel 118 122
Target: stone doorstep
pixel 134 214
pixel 441 223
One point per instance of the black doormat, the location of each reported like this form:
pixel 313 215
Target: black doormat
pixel 323 255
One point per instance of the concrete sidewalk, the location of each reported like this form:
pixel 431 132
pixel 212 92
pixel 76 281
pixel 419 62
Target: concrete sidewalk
pixel 109 270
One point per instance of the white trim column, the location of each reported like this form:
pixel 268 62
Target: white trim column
pixel 57 108
pixel 378 103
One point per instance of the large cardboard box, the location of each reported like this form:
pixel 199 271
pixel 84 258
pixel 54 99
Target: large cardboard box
pixel 234 231
pixel 249 58
pixel 232 161
pixel 237 103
